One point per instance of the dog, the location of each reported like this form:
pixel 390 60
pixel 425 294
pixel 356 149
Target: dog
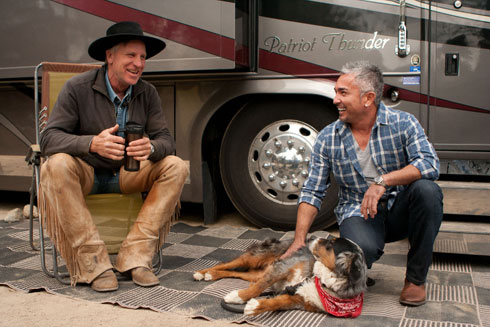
pixel 327 275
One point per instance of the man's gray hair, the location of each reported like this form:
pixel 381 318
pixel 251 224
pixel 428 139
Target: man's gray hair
pixel 368 77
pixel 113 50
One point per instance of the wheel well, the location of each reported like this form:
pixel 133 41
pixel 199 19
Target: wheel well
pixel 211 142
pixel 216 127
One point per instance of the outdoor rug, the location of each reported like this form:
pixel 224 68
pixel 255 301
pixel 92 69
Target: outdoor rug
pixel 458 286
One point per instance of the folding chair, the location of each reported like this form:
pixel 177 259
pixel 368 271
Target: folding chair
pixel 113 214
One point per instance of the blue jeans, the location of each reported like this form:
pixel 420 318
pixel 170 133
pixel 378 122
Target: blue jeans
pixel 105 181
pixel 416 214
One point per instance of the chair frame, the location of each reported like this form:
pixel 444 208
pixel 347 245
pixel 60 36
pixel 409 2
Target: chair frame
pixel 34 158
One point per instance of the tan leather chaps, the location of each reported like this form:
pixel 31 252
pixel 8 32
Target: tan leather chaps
pixel 65 180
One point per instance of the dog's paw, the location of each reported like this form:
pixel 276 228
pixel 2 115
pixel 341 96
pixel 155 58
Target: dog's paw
pixel 208 276
pixel 233 297
pixel 250 307
pixel 198 276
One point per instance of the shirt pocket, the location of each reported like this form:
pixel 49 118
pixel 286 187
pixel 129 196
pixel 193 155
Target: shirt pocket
pixel 390 160
pixel 389 153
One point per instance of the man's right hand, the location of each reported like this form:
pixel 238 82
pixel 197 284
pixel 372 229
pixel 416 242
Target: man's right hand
pixel 108 145
pixel 295 246
pixel 304 219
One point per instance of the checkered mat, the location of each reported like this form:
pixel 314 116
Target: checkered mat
pixel 458 287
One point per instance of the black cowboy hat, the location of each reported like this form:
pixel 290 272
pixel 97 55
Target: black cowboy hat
pixel 121 32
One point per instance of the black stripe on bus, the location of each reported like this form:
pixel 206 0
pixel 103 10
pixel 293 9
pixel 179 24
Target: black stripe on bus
pixel 362 20
pixel 473 4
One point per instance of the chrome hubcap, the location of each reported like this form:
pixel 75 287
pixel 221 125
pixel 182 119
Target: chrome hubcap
pixel 279 157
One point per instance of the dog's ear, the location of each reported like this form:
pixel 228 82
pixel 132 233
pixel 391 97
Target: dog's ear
pixel 311 238
pixel 356 267
pixel 355 271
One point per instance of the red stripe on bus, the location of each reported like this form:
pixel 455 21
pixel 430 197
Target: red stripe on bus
pixel 184 34
pixel 291 66
pixel 422 98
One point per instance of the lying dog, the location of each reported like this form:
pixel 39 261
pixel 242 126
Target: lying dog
pixel 328 275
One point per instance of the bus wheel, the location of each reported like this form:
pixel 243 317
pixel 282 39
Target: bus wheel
pixel 264 159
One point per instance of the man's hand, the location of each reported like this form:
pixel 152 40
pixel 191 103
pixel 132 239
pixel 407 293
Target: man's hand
pixel 108 145
pixel 295 246
pixel 369 205
pixel 306 215
pixel 139 149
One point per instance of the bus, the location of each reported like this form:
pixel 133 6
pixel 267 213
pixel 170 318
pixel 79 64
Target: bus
pixel 246 85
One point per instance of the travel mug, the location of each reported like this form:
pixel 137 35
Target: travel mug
pixel 133 131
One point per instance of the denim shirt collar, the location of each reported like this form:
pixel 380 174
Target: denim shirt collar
pixel 112 95
pixel 382 114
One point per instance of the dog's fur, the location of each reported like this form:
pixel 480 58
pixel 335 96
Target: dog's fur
pixel 338 262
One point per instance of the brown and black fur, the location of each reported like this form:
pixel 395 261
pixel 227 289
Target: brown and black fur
pixel 262 267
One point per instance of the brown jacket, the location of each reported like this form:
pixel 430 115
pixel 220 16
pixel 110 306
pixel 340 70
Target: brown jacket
pixel 83 109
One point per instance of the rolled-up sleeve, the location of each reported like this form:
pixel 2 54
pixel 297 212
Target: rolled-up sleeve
pixel 421 153
pixel 318 181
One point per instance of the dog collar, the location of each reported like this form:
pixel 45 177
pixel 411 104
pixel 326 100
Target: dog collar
pixel 349 308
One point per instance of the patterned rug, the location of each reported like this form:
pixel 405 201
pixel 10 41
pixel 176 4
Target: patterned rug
pixel 458 286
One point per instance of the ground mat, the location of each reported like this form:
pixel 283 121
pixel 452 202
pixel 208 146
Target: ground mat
pixel 458 286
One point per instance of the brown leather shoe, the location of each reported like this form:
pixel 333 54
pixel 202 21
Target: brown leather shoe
pixel 144 277
pixel 412 295
pixel 105 282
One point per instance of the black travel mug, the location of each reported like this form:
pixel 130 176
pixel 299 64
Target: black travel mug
pixel 133 131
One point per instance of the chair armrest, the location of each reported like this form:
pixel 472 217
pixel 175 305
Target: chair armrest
pixel 34 155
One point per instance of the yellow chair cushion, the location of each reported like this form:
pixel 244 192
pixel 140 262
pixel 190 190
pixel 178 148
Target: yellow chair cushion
pixel 114 214
pixel 56 82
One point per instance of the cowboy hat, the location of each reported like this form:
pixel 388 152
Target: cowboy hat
pixel 121 32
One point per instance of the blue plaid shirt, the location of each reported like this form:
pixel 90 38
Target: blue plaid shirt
pixel 397 140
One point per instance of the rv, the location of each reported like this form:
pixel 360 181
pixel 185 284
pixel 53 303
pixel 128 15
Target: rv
pixel 246 85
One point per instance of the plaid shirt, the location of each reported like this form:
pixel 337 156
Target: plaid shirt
pixel 397 140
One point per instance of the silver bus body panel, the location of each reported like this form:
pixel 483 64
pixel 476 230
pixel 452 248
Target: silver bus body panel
pixel 295 57
pixel 50 31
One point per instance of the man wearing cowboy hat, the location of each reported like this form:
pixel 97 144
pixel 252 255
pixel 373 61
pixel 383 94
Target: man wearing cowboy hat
pixel 86 147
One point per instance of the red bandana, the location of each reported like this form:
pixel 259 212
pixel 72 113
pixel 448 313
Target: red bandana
pixel 348 308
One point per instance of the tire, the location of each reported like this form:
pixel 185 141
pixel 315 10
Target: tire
pixel 263 171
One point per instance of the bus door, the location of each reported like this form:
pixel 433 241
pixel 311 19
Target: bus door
pixel 459 113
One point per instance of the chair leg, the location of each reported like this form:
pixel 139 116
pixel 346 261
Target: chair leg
pixel 32 192
pixel 42 245
pixel 157 267
pixel 55 272
pixel 59 276
pixel 43 250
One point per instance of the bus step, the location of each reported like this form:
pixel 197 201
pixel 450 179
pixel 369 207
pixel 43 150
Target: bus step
pixel 466 198
pixel 464 237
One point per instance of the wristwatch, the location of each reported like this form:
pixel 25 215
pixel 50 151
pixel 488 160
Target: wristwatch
pixel 378 180
pixel 152 149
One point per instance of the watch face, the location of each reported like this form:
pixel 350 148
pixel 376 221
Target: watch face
pixel 378 180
